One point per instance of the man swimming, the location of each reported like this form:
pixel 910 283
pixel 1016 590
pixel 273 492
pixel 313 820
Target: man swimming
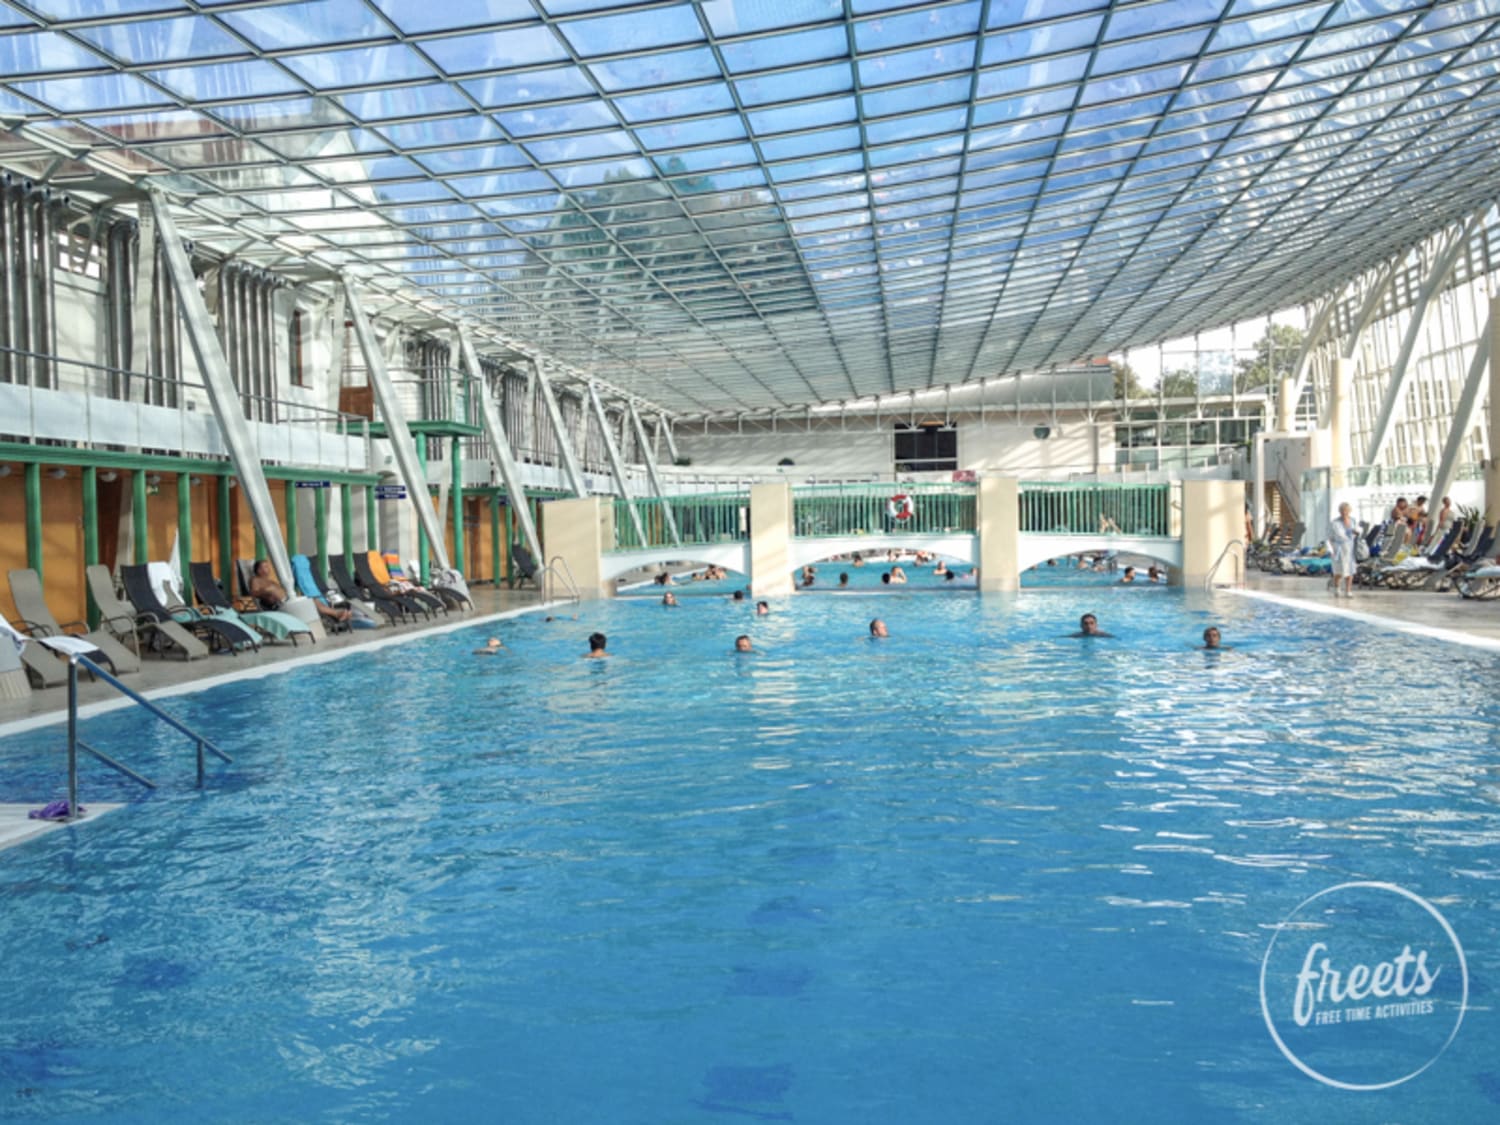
pixel 669 598
pixel 1088 626
pixel 1212 640
pixel 597 641
pixel 742 644
pixel 492 647
pixel 878 629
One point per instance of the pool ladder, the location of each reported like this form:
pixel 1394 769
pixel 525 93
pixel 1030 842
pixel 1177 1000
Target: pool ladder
pixel 75 744
pixel 1235 549
pixel 563 576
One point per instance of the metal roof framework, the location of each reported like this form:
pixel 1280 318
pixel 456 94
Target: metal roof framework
pixel 737 205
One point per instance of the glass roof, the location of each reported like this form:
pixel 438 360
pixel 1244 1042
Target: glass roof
pixel 740 204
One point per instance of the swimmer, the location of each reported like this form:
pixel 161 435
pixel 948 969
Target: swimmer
pixel 1128 576
pixel 597 641
pixel 737 596
pixel 941 568
pixel 742 644
pixel 762 609
pixel 858 559
pixel 844 579
pixel 1088 626
pixel 1212 640
pixel 669 599
pixel 492 647
pixel 898 575
pixel 1155 574
pixel 885 579
pixel 663 579
pixel 878 629
pixel 807 580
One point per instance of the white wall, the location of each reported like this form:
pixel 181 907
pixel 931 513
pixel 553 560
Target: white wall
pixel 1074 445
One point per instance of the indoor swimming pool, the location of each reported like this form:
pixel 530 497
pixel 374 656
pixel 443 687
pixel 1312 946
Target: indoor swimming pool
pixel 980 870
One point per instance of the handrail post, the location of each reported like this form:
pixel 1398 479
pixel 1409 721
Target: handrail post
pixel 72 737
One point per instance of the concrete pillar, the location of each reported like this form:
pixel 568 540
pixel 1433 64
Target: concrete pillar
pixel 1285 407
pixel 1213 516
pixel 1340 414
pixel 581 531
pixel 770 540
pixel 997 520
pixel 1492 466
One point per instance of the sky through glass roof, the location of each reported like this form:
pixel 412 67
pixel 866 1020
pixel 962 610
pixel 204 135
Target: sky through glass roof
pixel 742 204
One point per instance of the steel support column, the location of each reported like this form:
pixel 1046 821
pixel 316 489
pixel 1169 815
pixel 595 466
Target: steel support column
pixel 664 428
pixel 222 395
pixel 560 432
pixel 140 549
pixel 395 426
pixel 226 534
pixel 458 504
pixel 424 540
pixel 346 515
pixel 500 448
pixel 33 473
pixel 185 534
pixel 616 465
pixel 91 532
pixel 1393 402
pixel 653 476
pixel 320 526
pixel 289 503
pixel 1463 412
pixel 495 539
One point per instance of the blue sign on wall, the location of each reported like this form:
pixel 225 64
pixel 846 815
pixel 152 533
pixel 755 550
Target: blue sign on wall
pixel 390 492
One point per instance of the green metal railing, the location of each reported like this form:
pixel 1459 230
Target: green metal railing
pixel 1383 476
pixel 702 518
pixel 1091 509
pixel 870 509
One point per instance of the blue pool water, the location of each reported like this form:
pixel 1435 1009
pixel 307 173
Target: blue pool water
pixel 979 871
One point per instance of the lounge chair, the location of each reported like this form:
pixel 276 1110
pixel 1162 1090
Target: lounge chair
pixel 37 621
pixel 365 575
pixel 123 619
pixel 386 569
pixel 46 658
pixel 525 565
pixel 394 610
pixel 363 612
pixel 271 622
pixel 142 594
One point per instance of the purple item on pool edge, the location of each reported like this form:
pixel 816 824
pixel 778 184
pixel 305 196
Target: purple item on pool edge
pixel 57 810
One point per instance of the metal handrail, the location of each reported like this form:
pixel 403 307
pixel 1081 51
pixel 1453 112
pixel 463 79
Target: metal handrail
pixel 1208 583
pixel 565 576
pixel 75 661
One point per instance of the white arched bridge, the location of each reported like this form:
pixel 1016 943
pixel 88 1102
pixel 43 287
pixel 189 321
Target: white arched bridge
pixel 831 520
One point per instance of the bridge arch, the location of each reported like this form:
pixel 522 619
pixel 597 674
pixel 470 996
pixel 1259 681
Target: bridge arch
pixel 813 549
pixel 731 556
pixel 1033 548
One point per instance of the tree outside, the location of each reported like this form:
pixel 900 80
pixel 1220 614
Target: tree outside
pixel 1275 355
pixel 1127 382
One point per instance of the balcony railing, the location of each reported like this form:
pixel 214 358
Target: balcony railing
pixel 702 519
pixel 902 509
pixel 1050 508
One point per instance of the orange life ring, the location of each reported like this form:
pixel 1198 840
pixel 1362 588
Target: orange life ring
pixel 900 507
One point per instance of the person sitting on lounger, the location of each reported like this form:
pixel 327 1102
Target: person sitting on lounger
pixel 271 593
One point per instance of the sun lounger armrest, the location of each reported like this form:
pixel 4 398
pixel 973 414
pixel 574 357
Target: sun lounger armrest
pixel 81 626
pixel 33 628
